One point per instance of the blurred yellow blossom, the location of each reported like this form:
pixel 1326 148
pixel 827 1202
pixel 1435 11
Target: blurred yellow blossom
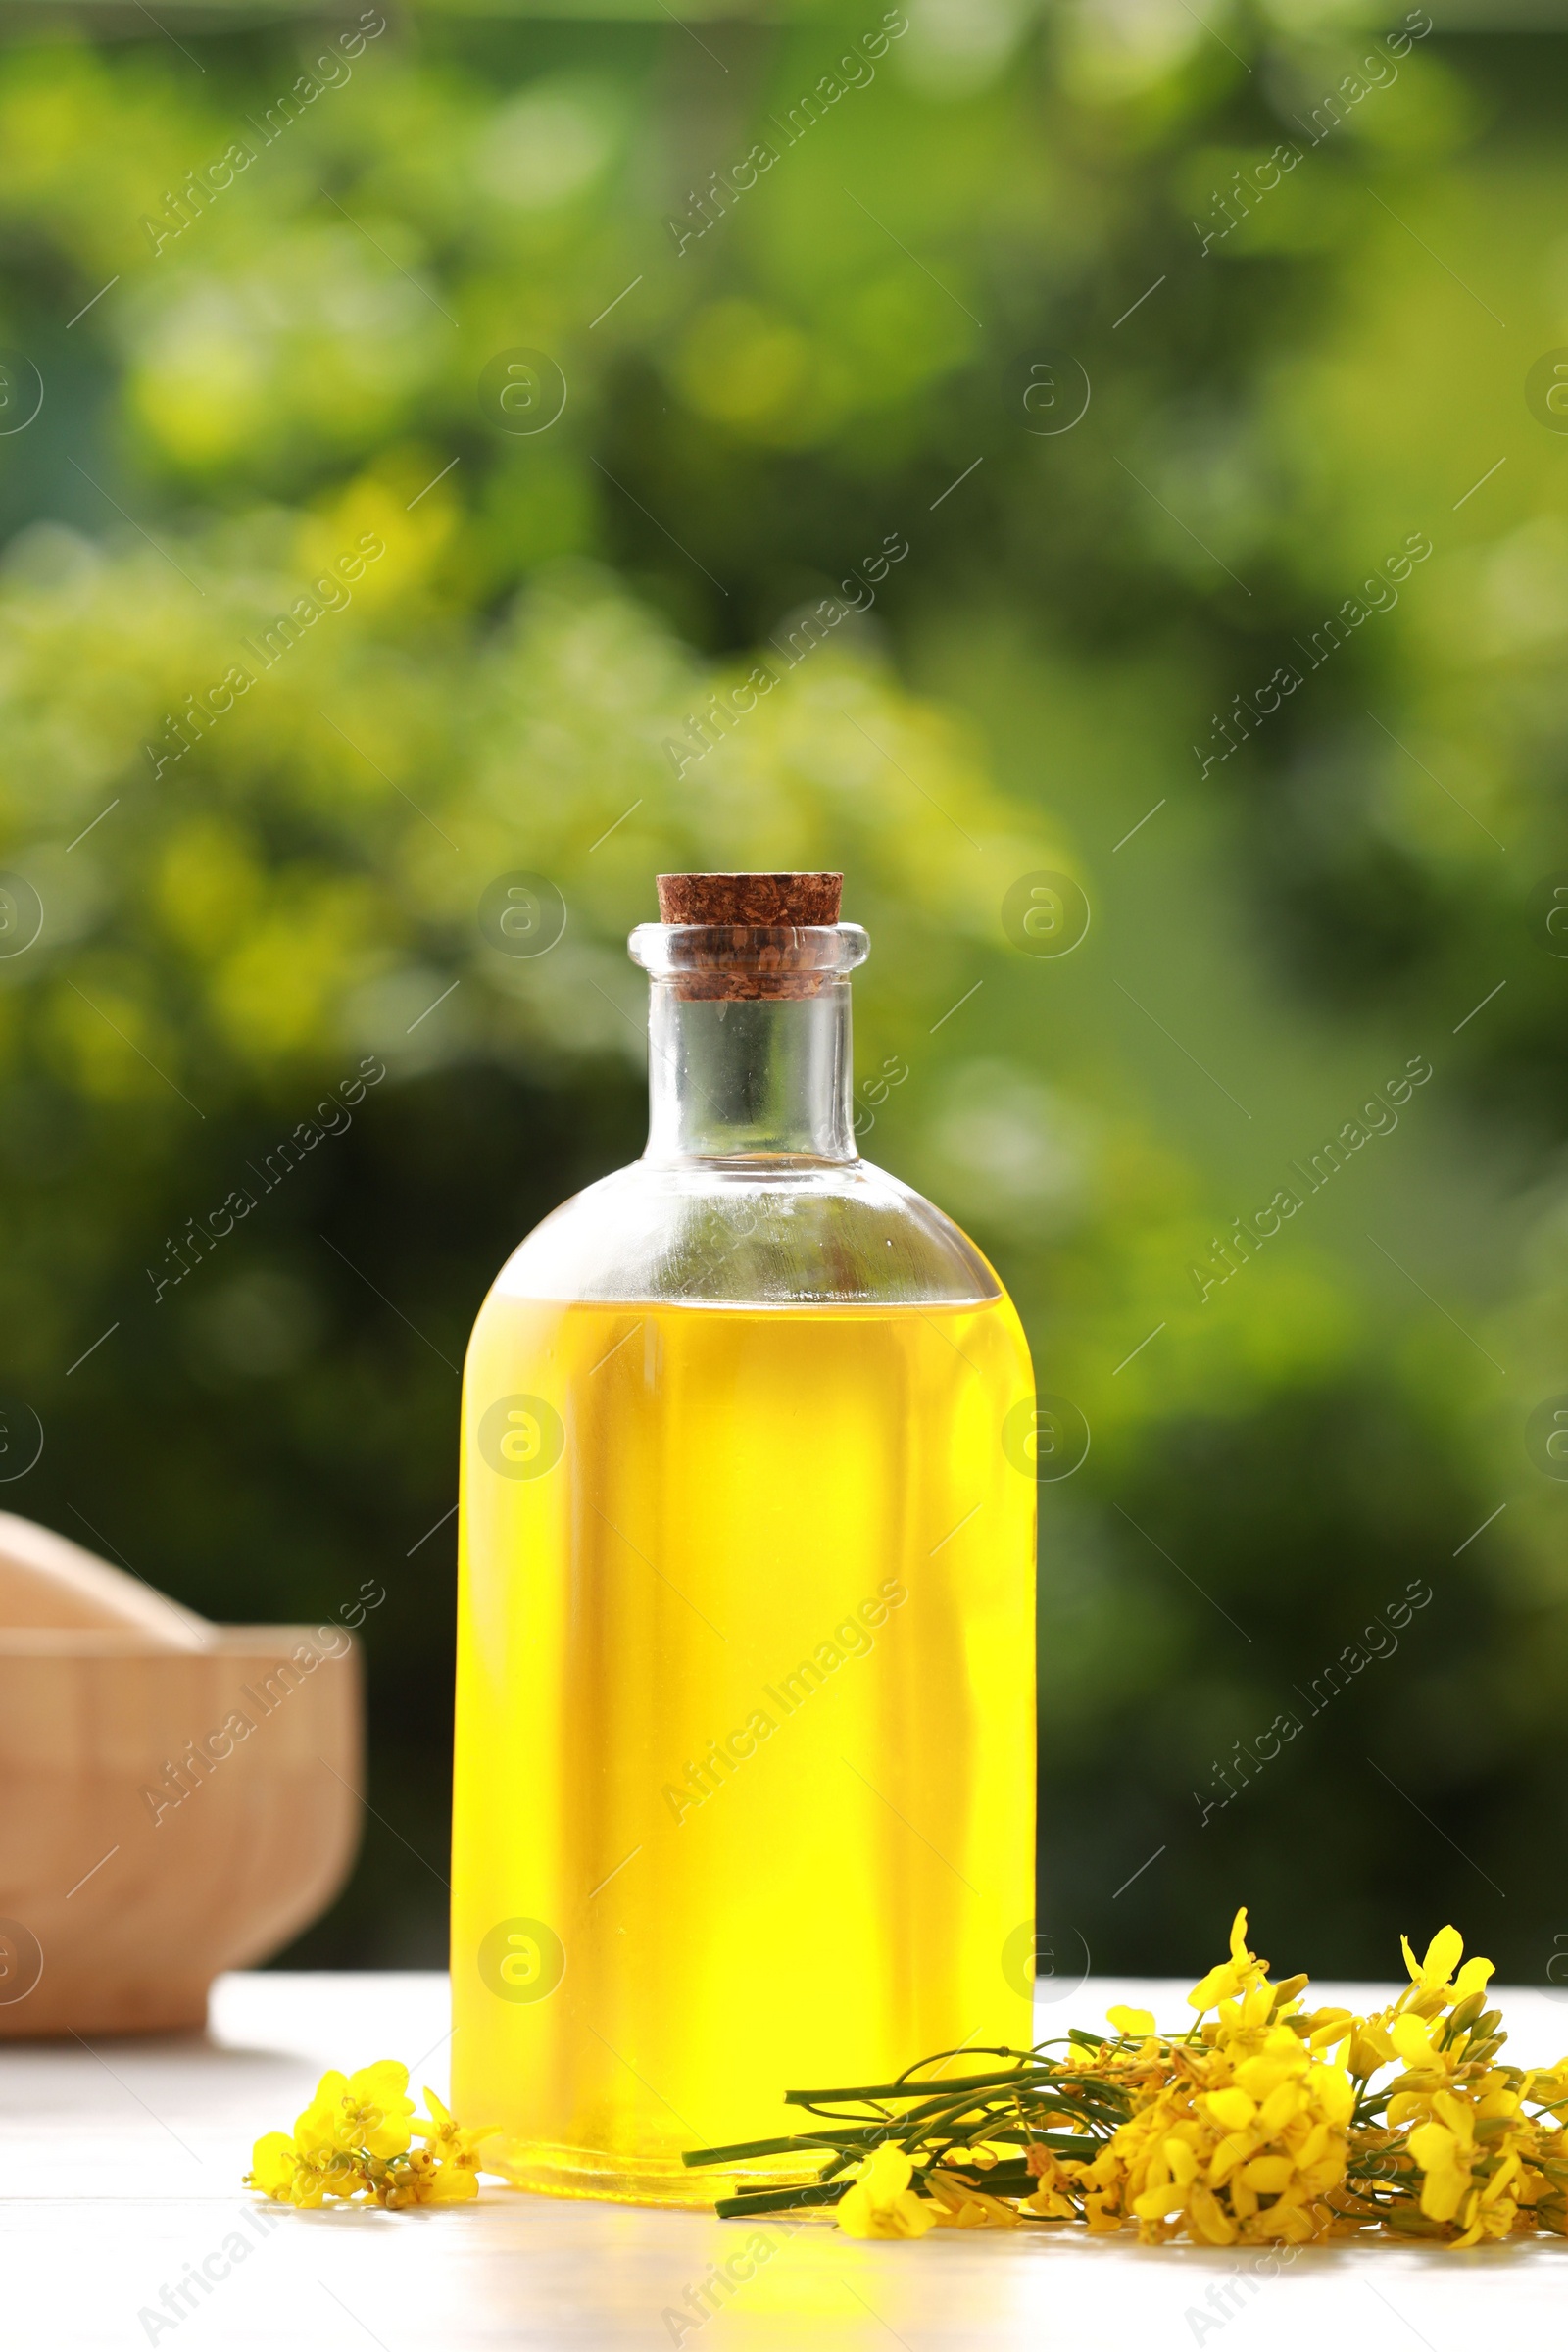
pixel 454 2149
pixel 354 2139
pixel 366 2110
pixel 1263 2121
pixel 1130 2021
pixel 880 2203
pixel 1232 1975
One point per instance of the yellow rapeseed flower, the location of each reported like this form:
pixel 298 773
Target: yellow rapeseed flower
pixel 294 2176
pixel 368 2110
pixel 1131 2022
pixel 1445 2149
pixel 275 2164
pixel 1245 2133
pixel 1442 1955
pixel 1232 1975
pixel 1263 2122
pixel 449 2141
pixel 353 2141
pixel 880 2202
pixel 423 2179
pixel 962 2203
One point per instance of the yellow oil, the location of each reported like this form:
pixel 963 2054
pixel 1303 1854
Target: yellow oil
pixel 744 1741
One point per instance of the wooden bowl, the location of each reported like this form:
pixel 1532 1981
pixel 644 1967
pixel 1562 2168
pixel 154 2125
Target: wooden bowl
pixel 175 1798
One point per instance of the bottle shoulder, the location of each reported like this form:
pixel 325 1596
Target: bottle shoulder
pixel 763 1234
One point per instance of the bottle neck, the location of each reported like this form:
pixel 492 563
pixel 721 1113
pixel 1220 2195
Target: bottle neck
pixel 751 1077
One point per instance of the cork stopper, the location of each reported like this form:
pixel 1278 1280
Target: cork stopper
pixel 764 902
pixel 727 937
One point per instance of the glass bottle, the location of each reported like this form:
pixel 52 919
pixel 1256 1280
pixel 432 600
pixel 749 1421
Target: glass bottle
pixel 745 1763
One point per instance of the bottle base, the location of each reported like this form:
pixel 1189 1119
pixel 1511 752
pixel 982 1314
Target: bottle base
pixel 557 2171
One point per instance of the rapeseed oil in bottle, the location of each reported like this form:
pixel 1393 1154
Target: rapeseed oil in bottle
pixel 744 1747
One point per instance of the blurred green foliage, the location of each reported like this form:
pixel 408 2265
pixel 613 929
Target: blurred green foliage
pixel 882 335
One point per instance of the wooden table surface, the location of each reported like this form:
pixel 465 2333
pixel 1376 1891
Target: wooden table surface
pixel 119 2168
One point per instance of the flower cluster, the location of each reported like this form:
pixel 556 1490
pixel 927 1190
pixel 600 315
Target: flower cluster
pixel 1264 2122
pixel 1240 2134
pixel 354 2140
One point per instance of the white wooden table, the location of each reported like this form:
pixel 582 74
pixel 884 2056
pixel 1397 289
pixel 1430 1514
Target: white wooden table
pixel 120 2172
